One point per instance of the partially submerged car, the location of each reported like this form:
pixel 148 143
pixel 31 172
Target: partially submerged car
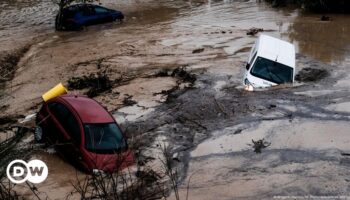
pixel 271 62
pixel 76 16
pixel 84 133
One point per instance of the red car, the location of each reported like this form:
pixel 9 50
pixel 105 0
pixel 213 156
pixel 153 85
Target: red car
pixel 84 132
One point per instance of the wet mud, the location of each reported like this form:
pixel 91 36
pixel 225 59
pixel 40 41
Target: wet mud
pixel 8 63
pixel 311 74
pixel 290 122
pixel 177 80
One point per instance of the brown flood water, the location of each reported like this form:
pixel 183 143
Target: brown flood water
pixel 155 34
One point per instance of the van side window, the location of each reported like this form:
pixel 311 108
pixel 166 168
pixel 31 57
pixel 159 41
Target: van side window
pixel 66 119
pixel 253 58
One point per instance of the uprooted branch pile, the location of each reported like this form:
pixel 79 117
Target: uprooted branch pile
pixel 95 83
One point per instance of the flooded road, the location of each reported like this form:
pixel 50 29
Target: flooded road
pixel 163 35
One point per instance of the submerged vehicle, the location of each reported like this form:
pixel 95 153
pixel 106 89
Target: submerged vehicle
pixel 76 16
pixel 84 133
pixel 271 62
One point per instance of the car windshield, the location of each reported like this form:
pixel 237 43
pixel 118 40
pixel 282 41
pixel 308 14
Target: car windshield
pixel 101 138
pixel 272 71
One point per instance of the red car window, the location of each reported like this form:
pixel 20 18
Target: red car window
pixel 103 138
pixel 67 120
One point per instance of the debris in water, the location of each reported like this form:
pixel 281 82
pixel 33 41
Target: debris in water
pixel 148 176
pixel 167 92
pixel 259 145
pixel 253 31
pixel 325 18
pixel 28 118
pixel 272 106
pixel 184 75
pixel 198 50
pixel 143 160
pixel 97 83
pixel 179 72
pixel 162 73
pixel 127 101
pixel 311 74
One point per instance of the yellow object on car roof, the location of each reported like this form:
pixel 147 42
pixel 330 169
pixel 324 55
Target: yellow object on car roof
pixel 56 91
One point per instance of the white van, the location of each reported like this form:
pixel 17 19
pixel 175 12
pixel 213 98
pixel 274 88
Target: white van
pixel 271 62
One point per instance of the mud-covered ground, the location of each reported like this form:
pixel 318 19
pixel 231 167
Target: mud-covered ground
pixel 174 73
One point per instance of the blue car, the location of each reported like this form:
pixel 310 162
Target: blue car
pixel 76 16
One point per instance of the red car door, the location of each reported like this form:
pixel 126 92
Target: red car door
pixel 69 131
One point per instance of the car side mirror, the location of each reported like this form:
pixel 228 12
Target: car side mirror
pixel 247 66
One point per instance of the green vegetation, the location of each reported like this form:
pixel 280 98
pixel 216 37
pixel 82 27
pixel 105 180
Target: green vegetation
pixel 336 6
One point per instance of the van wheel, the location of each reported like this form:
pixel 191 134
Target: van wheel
pixel 38 134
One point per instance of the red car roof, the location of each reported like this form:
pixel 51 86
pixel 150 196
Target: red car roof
pixel 88 109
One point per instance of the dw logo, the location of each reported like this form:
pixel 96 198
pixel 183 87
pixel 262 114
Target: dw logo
pixel 35 171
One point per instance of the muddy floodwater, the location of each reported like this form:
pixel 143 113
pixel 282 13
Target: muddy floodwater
pixel 209 121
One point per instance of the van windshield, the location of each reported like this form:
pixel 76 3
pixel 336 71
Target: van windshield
pixel 272 71
pixel 103 138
